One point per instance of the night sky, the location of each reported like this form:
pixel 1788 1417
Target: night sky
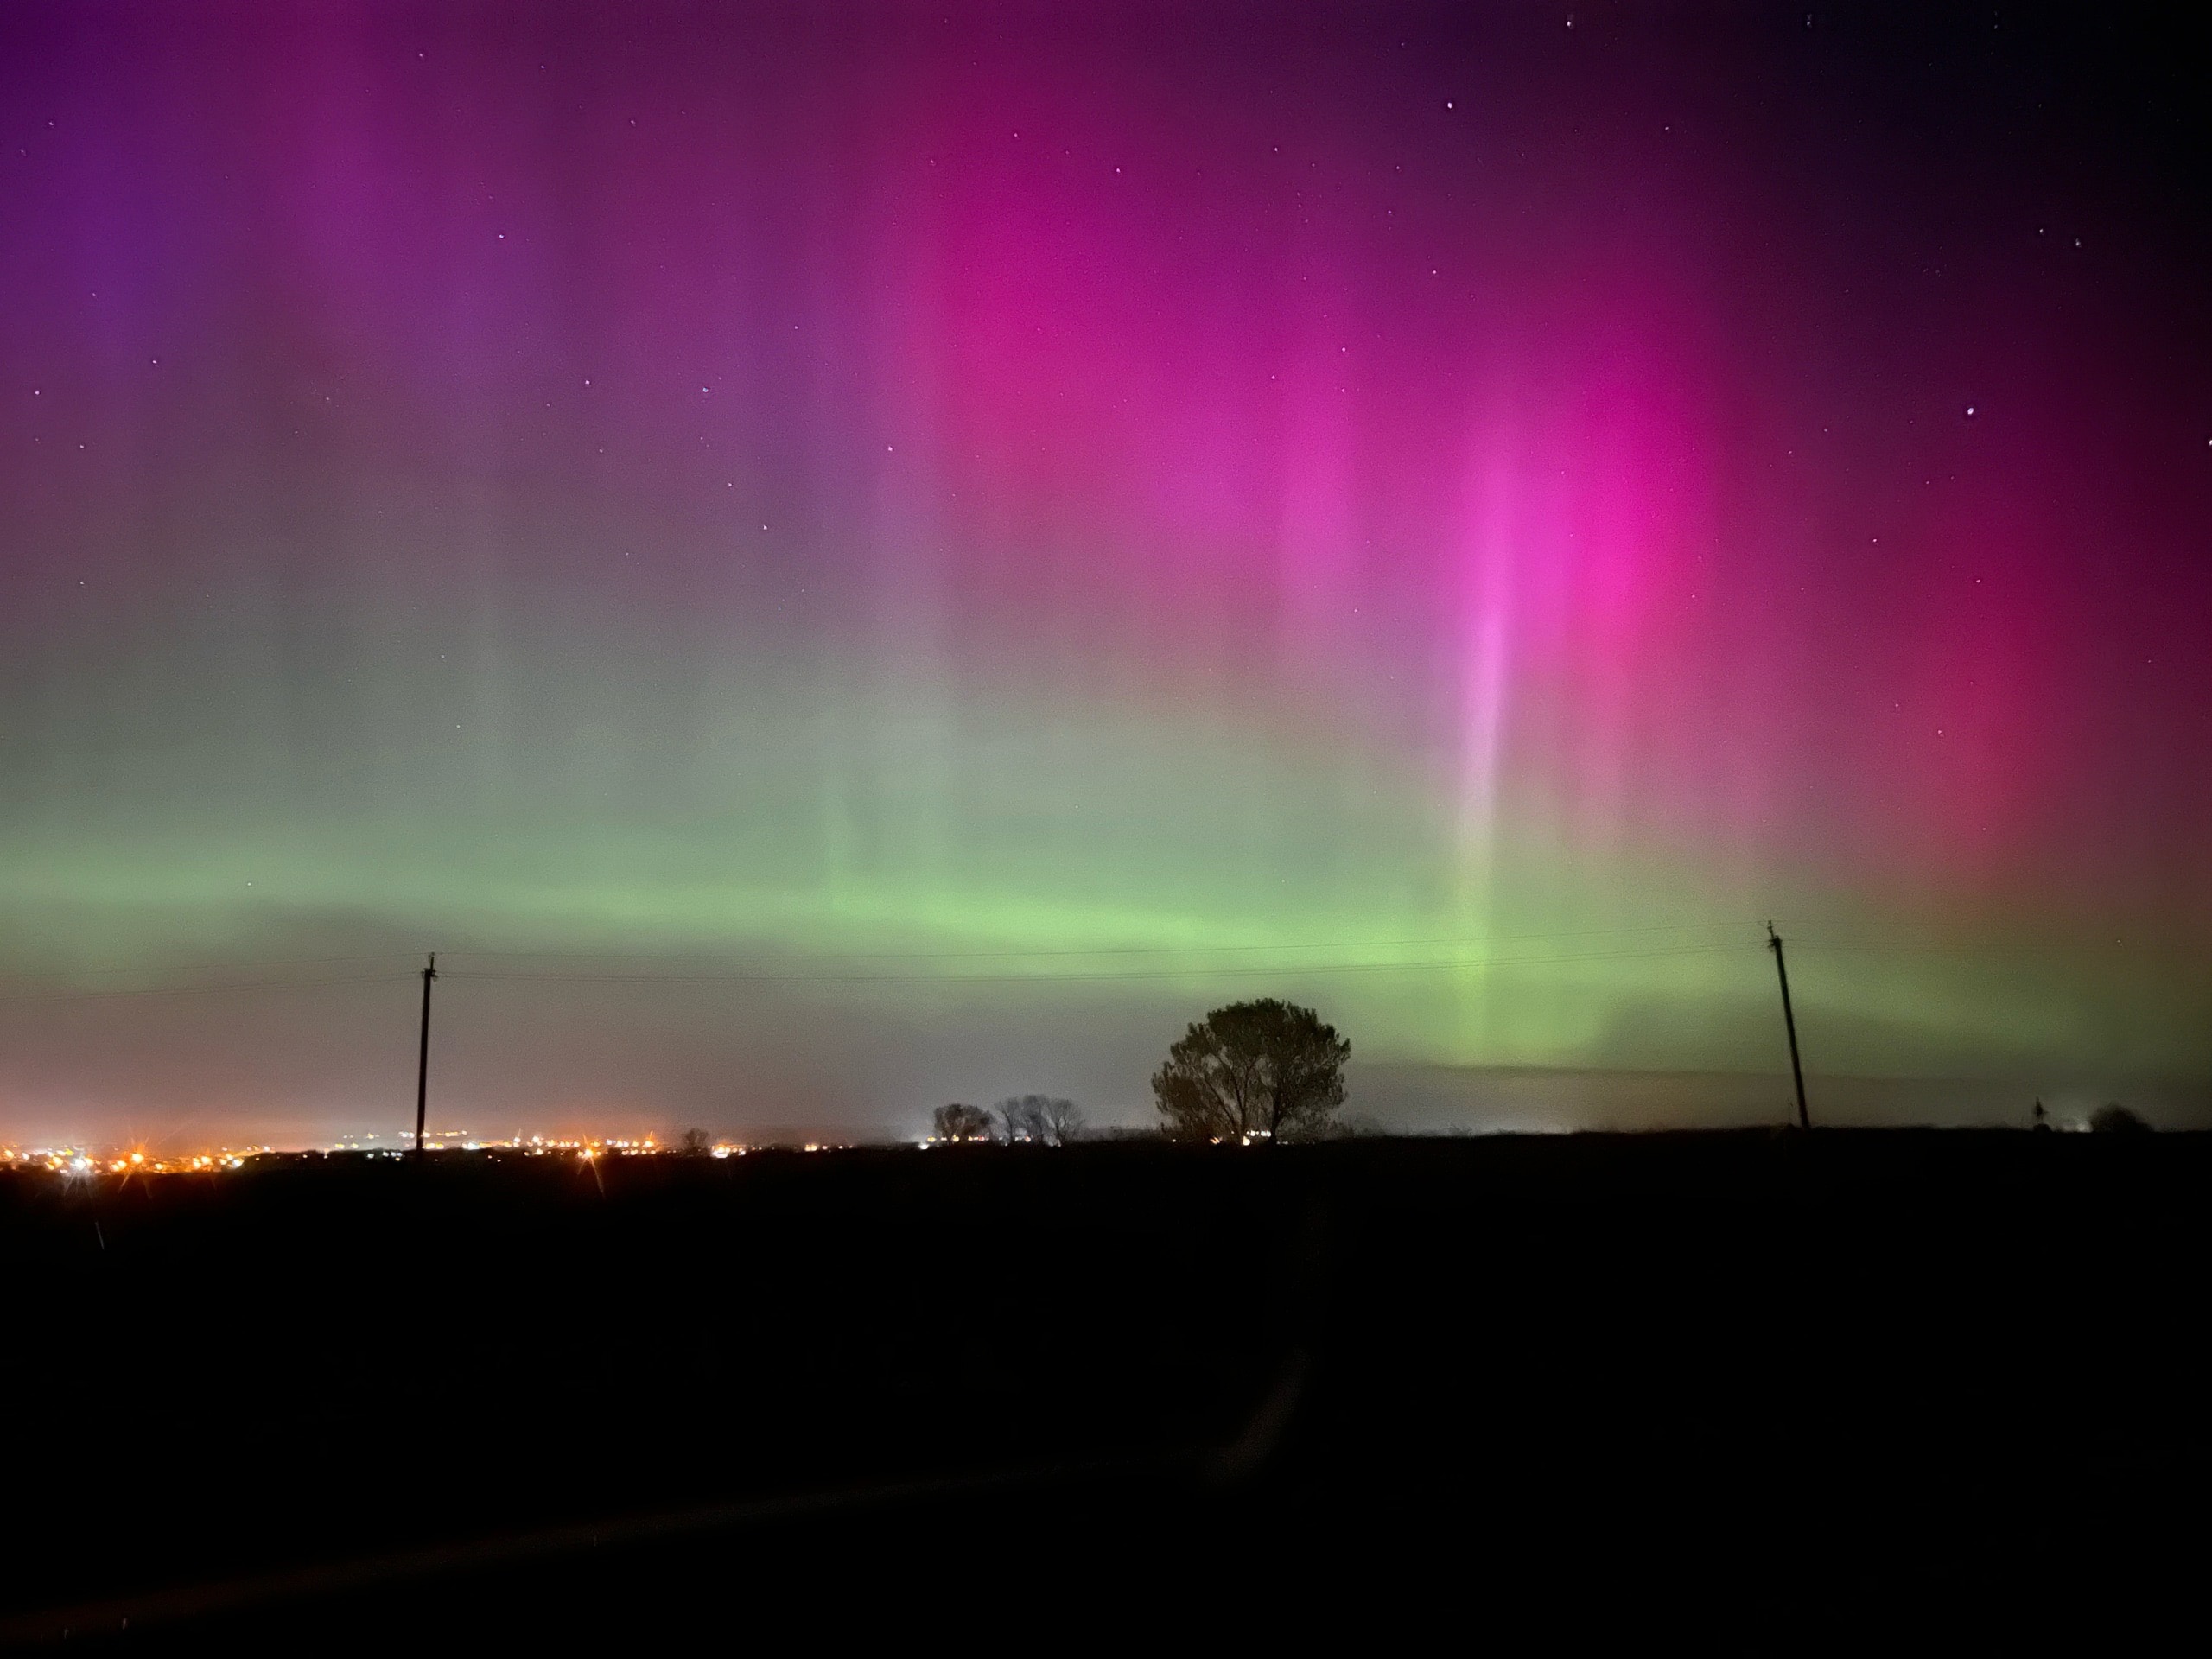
pixel 885 556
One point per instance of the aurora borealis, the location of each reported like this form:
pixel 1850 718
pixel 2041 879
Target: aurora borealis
pixel 893 556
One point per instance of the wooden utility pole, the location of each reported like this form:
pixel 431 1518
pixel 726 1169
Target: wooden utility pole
pixel 1788 1021
pixel 423 1053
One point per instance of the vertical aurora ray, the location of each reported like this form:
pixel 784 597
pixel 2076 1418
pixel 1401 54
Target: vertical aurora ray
pixel 737 485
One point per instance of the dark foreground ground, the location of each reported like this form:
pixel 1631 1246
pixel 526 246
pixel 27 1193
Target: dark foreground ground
pixel 1784 1390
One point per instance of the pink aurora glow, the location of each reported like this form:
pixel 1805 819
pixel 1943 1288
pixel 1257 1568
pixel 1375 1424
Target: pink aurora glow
pixel 1558 453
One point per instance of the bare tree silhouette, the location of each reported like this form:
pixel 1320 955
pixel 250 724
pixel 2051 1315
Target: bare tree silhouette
pixel 1063 1121
pixel 962 1123
pixel 1039 1120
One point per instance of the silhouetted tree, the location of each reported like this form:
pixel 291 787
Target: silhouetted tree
pixel 1063 1121
pixel 2116 1119
pixel 695 1143
pixel 1253 1068
pixel 959 1122
pixel 1041 1119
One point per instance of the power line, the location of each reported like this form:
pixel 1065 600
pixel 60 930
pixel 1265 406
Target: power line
pixel 1954 948
pixel 1242 971
pixel 1090 951
pixel 203 990
pixel 216 967
pixel 803 958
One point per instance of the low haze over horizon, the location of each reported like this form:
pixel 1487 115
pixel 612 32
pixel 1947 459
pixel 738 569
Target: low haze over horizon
pixel 833 560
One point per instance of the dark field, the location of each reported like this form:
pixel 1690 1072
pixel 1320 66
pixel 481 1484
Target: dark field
pixel 1771 1385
